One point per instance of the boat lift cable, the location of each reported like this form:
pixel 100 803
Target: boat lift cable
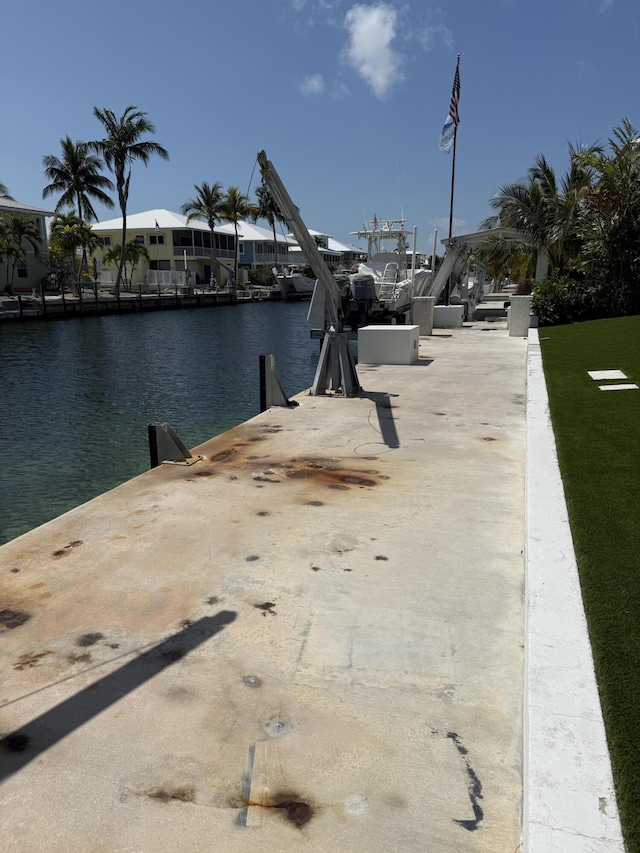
pixel 253 171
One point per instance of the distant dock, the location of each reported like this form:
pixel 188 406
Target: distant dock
pixel 103 302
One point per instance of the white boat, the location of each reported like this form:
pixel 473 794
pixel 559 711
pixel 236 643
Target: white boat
pixel 396 282
pixel 294 284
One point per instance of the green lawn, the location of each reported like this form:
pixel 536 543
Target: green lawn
pixel 598 435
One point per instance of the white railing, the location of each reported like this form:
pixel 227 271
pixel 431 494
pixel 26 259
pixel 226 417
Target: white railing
pixel 166 278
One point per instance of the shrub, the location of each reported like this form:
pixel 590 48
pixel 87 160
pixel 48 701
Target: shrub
pixel 561 299
pixel 261 277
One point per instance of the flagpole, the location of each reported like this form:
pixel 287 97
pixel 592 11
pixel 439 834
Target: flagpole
pixel 453 183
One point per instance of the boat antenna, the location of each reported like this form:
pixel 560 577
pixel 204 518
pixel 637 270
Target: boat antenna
pixel 364 218
pixel 401 191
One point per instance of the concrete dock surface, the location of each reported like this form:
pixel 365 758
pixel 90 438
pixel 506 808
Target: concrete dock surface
pixel 312 639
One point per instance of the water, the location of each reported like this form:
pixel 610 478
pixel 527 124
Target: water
pixel 77 395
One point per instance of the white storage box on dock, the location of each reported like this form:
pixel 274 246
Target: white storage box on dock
pixel 388 344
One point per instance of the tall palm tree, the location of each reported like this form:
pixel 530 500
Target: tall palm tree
pixel 17 232
pixel 120 148
pixel 544 210
pixel 4 192
pixel 268 209
pixel 76 175
pixel 206 205
pixel 235 207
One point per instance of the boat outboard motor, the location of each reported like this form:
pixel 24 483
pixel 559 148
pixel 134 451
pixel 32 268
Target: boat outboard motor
pixel 363 290
pixel 344 289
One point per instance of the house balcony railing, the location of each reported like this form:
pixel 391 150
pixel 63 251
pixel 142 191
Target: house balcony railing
pixel 201 252
pixel 267 258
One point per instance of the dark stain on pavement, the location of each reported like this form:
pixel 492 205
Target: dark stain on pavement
pixel 89 639
pixel 474 787
pixel 13 618
pixel 167 794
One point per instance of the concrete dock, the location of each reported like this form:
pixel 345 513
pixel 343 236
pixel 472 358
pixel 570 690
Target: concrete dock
pixel 311 639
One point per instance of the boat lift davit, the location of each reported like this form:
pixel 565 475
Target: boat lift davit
pixel 336 371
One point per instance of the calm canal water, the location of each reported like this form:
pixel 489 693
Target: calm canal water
pixel 77 395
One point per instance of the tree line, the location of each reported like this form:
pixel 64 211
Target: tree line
pixel 580 232
pixel 577 235
pixel 76 176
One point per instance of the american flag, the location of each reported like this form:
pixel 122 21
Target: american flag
pixel 453 119
pixel 455 96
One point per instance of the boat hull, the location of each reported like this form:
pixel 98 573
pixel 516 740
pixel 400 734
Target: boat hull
pixel 296 286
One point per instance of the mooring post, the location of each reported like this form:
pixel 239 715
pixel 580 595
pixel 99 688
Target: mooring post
pixel 153 445
pixel 263 383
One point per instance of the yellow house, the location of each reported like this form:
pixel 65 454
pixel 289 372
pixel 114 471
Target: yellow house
pixel 173 246
pixel 181 252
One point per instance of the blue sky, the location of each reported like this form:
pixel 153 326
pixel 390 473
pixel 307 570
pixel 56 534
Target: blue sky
pixel 348 99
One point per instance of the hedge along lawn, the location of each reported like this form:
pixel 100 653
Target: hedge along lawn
pixel 597 436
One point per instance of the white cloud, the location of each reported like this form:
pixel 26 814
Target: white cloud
pixel 601 6
pixel 372 30
pixel 442 224
pixel 435 31
pixel 312 85
pixel 340 89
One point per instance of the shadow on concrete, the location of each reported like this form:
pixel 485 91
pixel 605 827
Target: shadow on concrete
pixel 384 411
pixel 22 746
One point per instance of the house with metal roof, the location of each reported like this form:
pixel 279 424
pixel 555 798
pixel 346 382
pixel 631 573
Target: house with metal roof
pixel 34 265
pixel 175 244
pixel 334 253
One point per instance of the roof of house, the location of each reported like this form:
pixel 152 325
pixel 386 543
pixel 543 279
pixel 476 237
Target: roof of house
pixel 334 245
pixel 10 204
pixel 147 220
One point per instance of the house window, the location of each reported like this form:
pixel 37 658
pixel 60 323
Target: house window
pixel 139 239
pixel 156 240
pixel 106 241
pixel 241 248
pixel 22 272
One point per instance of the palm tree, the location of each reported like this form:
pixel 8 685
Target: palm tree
pixel 235 207
pixel 206 205
pixel 17 231
pixel 544 211
pixel 113 256
pixel 611 226
pixel 268 209
pixel 134 253
pixel 4 192
pixel 120 148
pixel 76 175
pixel 66 234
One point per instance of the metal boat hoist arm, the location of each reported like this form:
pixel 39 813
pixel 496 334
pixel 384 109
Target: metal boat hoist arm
pixel 336 369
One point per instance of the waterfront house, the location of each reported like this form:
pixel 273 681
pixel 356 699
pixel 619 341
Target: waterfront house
pixel 335 254
pixel 177 246
pixel 29 274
